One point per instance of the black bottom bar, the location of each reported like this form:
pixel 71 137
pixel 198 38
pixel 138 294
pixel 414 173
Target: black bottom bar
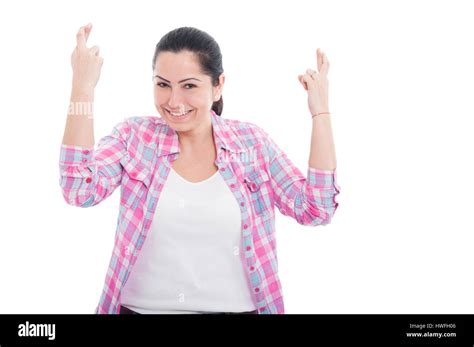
pixel 296 330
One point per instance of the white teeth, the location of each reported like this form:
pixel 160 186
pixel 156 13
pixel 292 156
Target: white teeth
pixel 179 114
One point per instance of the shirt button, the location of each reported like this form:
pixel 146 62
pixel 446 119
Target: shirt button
pixel 252 268
pixel 84 160
pixel 262 309
pixel 222 168
pixel 248 248
pixel 257 290
pixel 245 226
pixel 88 180
pixel 253 186
pixel 232 185
pixel 85 152
pixel 242 204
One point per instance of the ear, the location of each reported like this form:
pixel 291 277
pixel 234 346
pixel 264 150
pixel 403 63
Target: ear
pixel 219 88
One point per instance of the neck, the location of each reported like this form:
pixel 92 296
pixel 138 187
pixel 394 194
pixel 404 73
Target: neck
pixel 196 138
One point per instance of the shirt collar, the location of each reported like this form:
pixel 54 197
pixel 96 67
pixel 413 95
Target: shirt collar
pixel 225 137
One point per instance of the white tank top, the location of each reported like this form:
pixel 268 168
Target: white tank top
pixel 192 260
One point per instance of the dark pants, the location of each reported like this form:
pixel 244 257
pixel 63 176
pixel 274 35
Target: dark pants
pixel 126 310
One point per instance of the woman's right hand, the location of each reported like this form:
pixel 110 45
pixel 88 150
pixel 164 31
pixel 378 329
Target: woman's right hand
pixel 86 62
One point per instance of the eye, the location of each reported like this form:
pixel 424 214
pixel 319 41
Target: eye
pixel 164 85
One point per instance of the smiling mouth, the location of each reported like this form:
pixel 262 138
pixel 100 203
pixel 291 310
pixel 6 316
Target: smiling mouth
pixel 178 115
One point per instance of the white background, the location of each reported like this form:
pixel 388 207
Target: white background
pixel 401 97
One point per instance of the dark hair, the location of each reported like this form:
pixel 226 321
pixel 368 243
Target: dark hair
pixel 200 43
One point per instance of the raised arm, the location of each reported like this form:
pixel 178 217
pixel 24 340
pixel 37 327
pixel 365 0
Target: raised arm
pixel 322 152
pixel 87 175
pixel 310 199
pixel 86 65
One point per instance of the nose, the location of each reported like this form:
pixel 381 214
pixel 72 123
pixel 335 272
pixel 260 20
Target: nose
pixel 175 101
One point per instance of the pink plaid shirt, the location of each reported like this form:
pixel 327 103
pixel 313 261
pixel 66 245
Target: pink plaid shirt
pixel 137 156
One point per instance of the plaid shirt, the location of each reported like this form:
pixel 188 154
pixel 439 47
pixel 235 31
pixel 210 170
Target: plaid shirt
pixel 137 156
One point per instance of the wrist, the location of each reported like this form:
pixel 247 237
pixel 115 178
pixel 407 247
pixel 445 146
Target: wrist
pixel 81 87
pixel 321 113
pixel 82 93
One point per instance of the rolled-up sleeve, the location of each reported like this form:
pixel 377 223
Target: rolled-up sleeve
pixel 310 199
pixel 88 175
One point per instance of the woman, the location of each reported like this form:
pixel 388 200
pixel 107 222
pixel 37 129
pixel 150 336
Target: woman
pixel 196 227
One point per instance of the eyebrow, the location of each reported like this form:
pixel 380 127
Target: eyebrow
pixel 186 79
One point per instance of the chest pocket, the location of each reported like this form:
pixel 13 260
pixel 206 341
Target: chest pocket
pixel 136 180
pixel 257 183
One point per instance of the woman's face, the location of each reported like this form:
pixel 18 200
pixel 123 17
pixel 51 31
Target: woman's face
pixel 181 88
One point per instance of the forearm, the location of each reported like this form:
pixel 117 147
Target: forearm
pixel 79 129
pixel 322 152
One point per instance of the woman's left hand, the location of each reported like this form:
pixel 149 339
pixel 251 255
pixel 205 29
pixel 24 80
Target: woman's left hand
pixel 316 83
